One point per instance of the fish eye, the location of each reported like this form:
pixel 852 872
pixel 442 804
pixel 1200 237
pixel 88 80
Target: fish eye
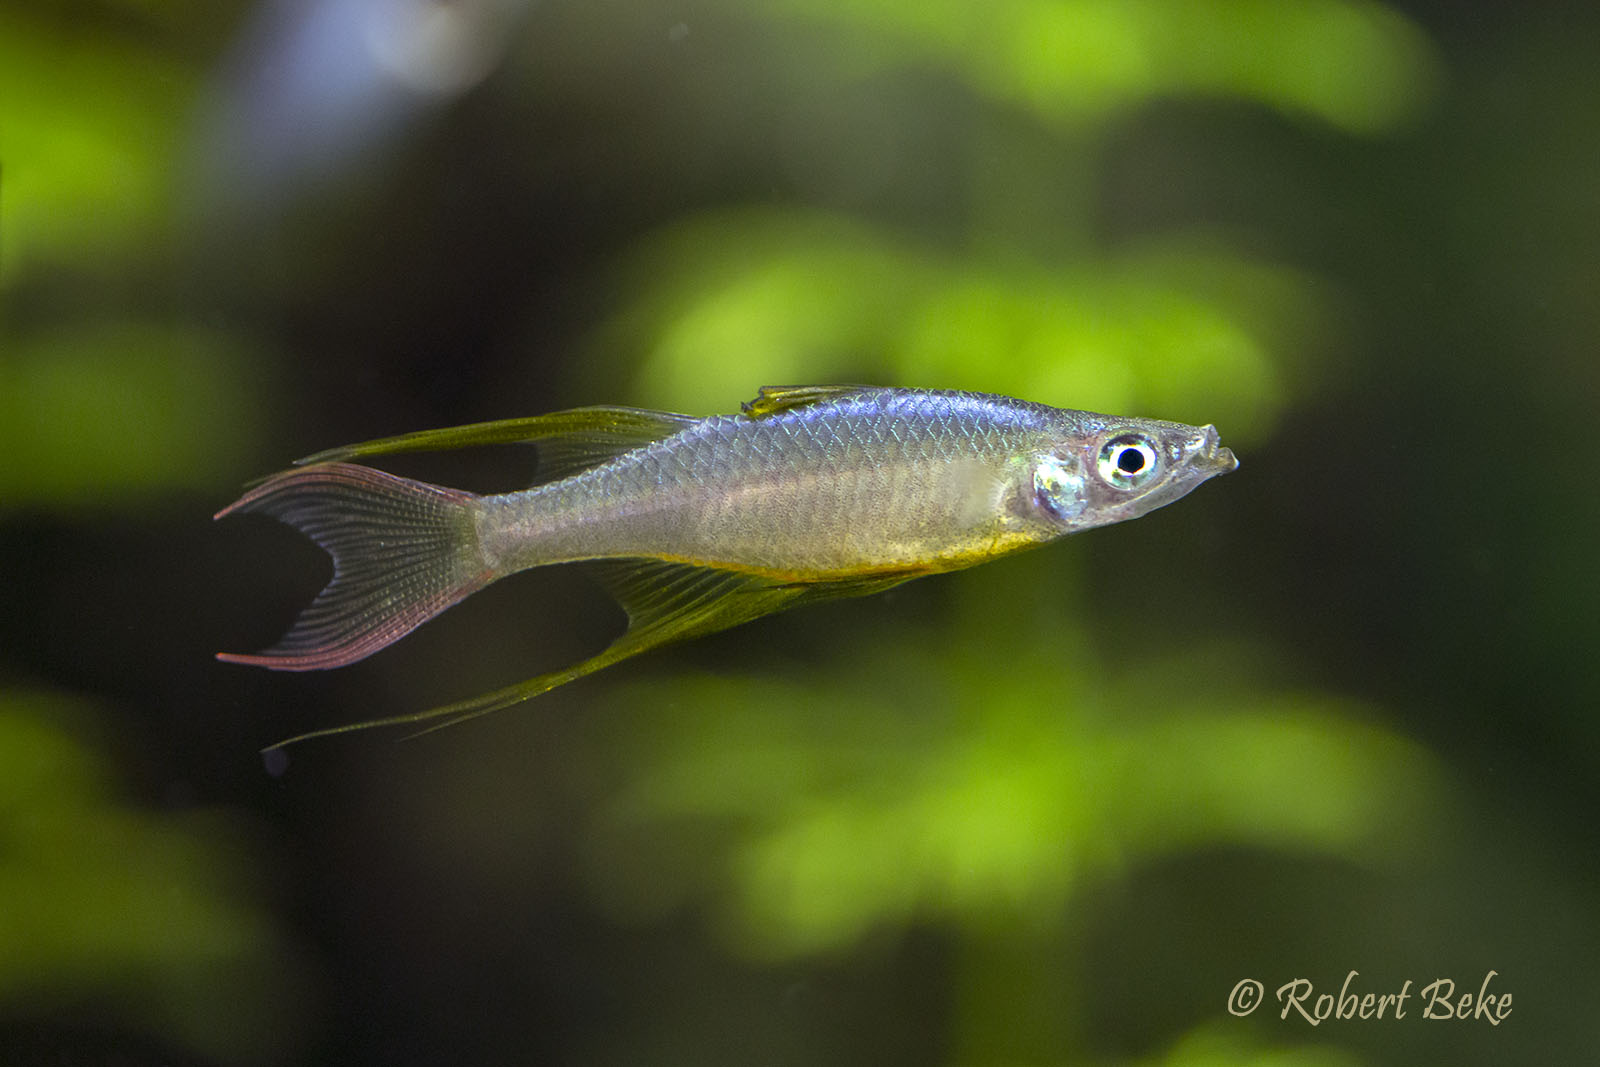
pixel 1127 461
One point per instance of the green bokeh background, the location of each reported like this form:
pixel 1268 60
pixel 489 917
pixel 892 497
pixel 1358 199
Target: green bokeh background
pixel 1336 712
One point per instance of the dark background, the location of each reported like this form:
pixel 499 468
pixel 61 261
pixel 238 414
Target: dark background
pixel 1333 713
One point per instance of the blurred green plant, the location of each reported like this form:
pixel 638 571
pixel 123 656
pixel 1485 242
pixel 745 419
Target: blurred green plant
pixel 145 916
pixel 929 778
pixel 1358 66
pixel 1216 1046
pixel 1184 327
pixel 89 141
pixel 984 773
pixel 774 296
pixel 101 416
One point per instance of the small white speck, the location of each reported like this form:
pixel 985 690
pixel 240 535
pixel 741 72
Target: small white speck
pixel 678 32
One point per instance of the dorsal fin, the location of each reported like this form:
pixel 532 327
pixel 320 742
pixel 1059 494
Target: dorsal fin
pixel 568 441
pixel 771 399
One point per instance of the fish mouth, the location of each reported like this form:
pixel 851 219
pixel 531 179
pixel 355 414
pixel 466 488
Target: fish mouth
pixel 1206 451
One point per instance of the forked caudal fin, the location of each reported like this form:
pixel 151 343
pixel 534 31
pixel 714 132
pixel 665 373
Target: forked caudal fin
pixel 403 551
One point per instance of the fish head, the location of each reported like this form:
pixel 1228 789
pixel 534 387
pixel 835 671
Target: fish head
pixel 1105 470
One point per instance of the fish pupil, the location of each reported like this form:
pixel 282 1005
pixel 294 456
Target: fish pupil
pixel 1130 461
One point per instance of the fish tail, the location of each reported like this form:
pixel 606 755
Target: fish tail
pixel 403 551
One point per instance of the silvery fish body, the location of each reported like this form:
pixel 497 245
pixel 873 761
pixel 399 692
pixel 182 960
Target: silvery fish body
pixel 702 523
pixel 877 481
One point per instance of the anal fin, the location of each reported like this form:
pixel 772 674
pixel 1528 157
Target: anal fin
pixel 666 602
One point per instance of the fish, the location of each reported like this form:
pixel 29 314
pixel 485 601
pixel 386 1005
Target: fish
pixel 694 525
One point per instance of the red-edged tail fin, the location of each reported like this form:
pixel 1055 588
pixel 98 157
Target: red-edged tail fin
pixel 403 551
